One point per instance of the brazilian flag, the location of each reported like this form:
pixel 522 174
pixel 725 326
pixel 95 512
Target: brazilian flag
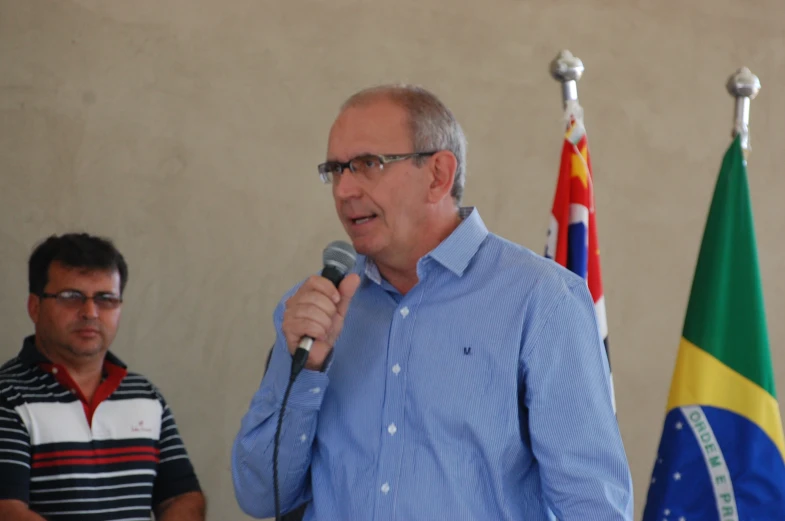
pixel 721 453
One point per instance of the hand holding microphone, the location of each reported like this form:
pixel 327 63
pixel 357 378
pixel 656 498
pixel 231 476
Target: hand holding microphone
pixel 314 315
pixel 312 321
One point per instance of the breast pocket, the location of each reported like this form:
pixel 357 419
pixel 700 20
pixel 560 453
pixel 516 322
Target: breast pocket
pixel 452 381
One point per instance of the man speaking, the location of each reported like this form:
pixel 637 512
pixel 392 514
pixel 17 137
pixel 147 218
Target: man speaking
pixel 452 374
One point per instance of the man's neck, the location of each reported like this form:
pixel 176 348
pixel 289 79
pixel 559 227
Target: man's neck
pixel 86 372
pixel 401 279
pixel 401 273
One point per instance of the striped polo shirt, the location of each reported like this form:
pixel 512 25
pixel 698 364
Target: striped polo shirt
pixel 109 460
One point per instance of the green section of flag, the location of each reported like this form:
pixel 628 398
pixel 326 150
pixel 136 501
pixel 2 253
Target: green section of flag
pixel 726 315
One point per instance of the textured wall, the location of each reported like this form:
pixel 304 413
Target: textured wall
pixel 189 131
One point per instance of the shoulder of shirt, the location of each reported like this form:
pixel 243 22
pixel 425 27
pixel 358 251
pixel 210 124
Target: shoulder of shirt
pixel 10 367
pixel 140 383
pixel 13 370
pixel 542 271
pixel 138 378
pixel 15 377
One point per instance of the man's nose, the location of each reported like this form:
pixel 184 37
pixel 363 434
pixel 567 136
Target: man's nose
pixel 346 185
pixel 89 309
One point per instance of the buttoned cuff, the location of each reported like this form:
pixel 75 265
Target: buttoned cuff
pixel 308 390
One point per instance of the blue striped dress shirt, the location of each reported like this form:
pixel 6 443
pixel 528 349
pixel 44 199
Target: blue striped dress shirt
pixel 481 394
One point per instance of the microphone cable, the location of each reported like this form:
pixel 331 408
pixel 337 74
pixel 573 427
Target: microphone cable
pixel 338 259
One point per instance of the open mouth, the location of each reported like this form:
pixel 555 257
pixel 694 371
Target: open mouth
pixel 363 220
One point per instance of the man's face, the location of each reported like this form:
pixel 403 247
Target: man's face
pixel 68 327
pixel 383 214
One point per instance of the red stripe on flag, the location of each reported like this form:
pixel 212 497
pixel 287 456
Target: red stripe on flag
pixel 561 205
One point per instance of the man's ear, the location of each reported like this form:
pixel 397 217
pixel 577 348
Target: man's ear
pixel 443 165
pixel 33 307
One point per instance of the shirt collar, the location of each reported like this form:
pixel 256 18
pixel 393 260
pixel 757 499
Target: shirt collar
pixel 30 355
pixel 458 249
pixel 454 253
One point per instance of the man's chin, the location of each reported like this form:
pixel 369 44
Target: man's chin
pixel 90 350
pixel 363 246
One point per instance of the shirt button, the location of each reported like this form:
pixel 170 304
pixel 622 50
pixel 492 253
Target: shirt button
pixel 396 369
pixel 54 370
pixel 404 312
pixel 316 390
pixel 385 488
pixel 392 429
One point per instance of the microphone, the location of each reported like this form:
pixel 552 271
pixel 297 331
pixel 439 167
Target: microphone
pixel 338 259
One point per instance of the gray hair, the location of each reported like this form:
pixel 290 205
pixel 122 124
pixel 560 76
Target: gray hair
pixel 432 125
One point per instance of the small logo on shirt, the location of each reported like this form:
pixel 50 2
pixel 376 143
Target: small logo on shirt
pixel 467 351
pixel 140 427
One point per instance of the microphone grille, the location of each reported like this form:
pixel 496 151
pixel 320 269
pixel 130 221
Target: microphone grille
pixel 340 255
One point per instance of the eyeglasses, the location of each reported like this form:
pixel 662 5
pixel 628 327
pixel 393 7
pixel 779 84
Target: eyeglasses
pixel 75 299
pixel 365 165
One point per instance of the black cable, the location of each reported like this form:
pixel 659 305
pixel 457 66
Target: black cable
pixel 338 258
pixel 298 362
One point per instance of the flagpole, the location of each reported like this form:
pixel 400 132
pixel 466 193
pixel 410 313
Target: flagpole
pixel 567 69
pixel 744 86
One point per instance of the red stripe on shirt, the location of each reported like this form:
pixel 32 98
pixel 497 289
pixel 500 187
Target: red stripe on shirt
pixel 94 461
pixel 94 453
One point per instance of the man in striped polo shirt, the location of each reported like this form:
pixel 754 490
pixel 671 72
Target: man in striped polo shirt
pixel 81 438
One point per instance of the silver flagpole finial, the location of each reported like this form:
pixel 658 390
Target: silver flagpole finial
pixel 744 86
pixel 567 69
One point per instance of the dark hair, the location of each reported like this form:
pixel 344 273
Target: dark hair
pixel 75 250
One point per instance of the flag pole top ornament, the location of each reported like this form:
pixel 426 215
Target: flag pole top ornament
pixel 567 69
pixel 743 85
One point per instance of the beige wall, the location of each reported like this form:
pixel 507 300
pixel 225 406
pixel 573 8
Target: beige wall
pixel 189 131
